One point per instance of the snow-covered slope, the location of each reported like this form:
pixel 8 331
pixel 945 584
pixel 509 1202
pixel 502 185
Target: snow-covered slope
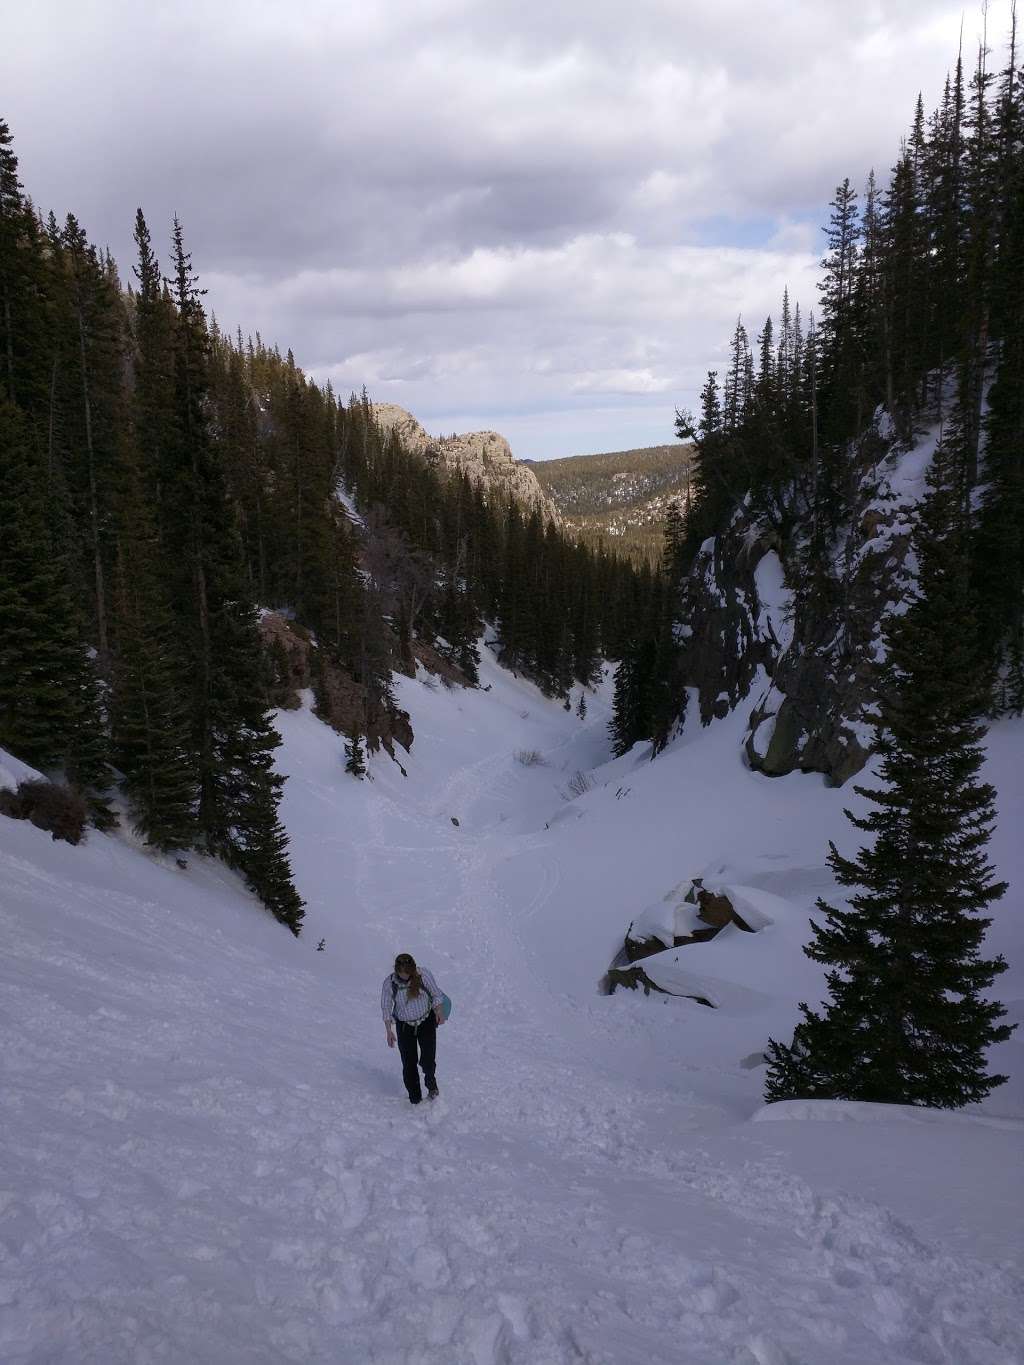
pixel 208 1156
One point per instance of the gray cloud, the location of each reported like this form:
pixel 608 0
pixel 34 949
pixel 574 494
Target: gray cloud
pixel 539 217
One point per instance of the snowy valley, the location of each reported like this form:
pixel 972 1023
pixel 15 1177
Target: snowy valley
pixel 209 1157
pixel 691 772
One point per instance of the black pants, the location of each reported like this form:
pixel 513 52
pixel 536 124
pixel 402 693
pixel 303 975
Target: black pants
pixel 421 1039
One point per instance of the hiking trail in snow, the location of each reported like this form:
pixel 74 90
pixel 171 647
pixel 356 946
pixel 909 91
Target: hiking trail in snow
pixel 209 1156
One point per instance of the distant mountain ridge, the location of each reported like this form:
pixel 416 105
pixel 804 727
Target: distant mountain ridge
pixel 620 497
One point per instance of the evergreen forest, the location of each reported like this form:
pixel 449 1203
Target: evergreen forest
pixel 165 484
pixel 917 330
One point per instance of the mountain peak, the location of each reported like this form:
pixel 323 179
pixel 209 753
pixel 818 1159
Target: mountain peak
pixel 485 456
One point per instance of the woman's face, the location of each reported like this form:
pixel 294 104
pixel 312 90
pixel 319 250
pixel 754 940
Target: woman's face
pixel 403 966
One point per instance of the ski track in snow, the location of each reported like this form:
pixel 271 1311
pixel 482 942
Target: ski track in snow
pixel 222 1166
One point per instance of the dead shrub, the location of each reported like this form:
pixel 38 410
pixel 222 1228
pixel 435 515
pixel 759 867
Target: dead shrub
pixel 47 805
pixel 530 758
pixel 578 785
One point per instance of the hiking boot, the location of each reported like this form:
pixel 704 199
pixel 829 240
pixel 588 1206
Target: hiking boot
pixel 432 1092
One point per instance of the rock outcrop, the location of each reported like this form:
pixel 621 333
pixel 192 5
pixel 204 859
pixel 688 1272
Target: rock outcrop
pixel 484 455
pixel 635 978
pixel 681 918
pixel 746 611
pixel 341 701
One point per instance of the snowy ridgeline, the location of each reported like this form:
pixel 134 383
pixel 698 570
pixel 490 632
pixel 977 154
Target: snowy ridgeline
pixel 208 1155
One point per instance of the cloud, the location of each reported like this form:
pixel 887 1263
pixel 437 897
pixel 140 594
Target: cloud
pixel 621 382
pixel 497 208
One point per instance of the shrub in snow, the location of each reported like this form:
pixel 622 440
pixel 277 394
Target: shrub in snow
pixel 355 760
pixel 579 783
pixel 48 805
pixel 530 758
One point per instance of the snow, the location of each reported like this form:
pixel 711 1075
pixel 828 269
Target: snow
pixel 775 599
pixel 860 1111
pixel 208 1155
pixel 13 771
pixel 762 734
pixel 902 485
pixel 348 502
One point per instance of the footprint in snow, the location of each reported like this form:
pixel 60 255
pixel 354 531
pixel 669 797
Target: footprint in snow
pixel 764 1351
pixel 430 1268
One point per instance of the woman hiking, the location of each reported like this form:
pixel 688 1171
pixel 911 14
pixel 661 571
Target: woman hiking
pixel 412 1002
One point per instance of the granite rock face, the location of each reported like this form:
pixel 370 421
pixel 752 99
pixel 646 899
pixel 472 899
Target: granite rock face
pixel 484 455
pixel 746 610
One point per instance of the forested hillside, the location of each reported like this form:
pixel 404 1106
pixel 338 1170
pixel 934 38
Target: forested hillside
pixel 914 344
pixel 853 546
pixel 165 484
pixel 619 498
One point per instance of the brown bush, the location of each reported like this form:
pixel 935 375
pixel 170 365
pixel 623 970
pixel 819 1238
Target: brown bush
pixel 48 805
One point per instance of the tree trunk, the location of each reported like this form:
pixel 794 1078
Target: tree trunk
pixel 9 344
pixel 94 516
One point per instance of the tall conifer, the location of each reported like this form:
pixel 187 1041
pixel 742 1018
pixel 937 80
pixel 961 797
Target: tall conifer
pixel 907 1021
pixel 233 735
pixel 50 712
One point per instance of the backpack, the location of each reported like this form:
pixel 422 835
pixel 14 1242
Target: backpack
pixel 446 1004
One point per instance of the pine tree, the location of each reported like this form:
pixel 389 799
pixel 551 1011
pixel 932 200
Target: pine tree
pixel 734 407
pixel 233 736
pixel 907 1022
pixel 711 485
pixel 26 363
pixel 153 414
pixel 148 704
pixel 998 564
pixel 50 712
pixel 839 270
pixel 355 760
pixel 673 542
pixel 630 720
pixel 90 339
pixel 12 208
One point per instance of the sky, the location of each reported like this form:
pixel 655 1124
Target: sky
pixel 541 219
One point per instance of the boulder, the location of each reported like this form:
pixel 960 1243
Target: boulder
pixel 718 910
pixel 639 948
pixel 658 927
pixel 633 978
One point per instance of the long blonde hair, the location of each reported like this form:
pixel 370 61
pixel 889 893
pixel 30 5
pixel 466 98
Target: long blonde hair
pixel 415 980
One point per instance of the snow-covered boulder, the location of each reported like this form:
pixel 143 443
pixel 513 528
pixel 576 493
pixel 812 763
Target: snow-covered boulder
pixel 690 913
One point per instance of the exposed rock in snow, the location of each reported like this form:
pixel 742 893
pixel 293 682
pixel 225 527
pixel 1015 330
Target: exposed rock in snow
pixel 820 650
pixel 633 978
pixel 342 702
pixel 691 915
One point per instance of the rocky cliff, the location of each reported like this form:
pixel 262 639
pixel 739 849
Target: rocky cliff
pixel 749 617
pixel 484 455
